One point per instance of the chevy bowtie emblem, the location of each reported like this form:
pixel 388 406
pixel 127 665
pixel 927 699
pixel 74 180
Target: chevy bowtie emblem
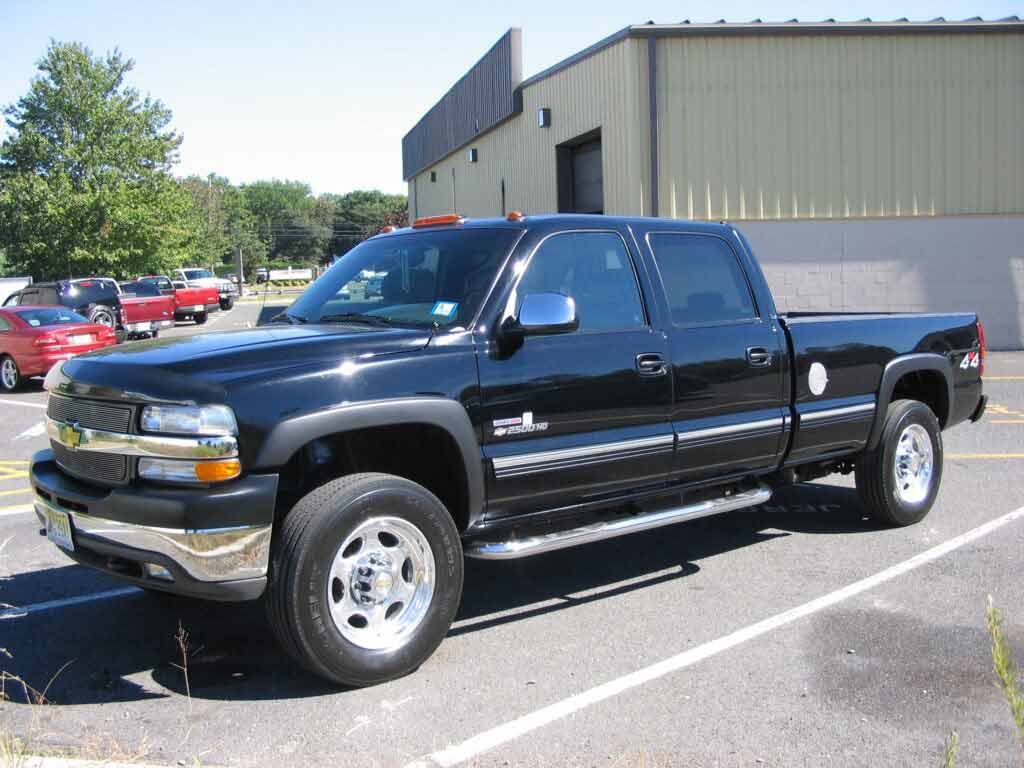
pixel 71 435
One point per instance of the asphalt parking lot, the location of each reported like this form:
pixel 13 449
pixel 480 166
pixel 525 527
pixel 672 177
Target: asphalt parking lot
pixel 679 646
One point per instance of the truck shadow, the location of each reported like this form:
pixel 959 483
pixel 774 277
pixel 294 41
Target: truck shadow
pixel 232 655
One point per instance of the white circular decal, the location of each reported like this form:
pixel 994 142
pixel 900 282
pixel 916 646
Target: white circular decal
pixel 817 378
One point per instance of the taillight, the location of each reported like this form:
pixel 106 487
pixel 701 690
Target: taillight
pixel 45 341
pixel 982 348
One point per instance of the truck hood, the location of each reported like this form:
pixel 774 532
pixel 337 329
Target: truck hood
pixel 202 368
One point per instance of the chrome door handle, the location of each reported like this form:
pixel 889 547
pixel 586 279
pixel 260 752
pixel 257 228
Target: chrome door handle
pixel 651 364
pixel 759 357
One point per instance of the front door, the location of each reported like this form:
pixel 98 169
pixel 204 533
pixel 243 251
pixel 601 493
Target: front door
pixel 729 402
pixel 577 417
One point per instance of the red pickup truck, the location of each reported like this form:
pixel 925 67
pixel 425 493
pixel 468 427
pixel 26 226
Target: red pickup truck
pixel 189 303
pixel 147 311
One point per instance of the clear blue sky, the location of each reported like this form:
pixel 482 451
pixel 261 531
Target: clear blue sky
pixel 323 92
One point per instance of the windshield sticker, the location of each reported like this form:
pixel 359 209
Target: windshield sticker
pixel 445 308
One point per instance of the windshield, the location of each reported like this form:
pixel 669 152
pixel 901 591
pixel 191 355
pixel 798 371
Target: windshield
pixel 197 274
pixel 49 316
pixel 425 278
pixel 160 282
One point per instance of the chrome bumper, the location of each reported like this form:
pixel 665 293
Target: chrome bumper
pixel 205 554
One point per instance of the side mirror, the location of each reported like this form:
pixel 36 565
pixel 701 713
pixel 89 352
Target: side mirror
pixel 545 314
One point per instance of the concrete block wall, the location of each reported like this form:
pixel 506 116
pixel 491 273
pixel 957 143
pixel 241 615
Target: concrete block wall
pixel 947 264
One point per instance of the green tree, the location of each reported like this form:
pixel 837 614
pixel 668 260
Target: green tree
pixel 360 214
pixel 226 222
pixel 294 225
pixel 85 183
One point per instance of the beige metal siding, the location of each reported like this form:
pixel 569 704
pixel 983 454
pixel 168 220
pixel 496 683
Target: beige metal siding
pixel 841 126
pixel 607 90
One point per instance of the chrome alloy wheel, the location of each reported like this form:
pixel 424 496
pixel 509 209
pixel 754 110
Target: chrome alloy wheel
pixel 381 583
pixel 9 373
pixel 913 465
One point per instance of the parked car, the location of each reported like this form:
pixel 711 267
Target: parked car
pixel 189 303
pixel 147 310
pixel 96 298
pixel 35 338
pixel 262 274
pixel 522 386
pixel 195 277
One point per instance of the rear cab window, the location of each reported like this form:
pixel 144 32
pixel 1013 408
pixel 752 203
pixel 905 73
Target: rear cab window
pixel 703 279
pixel 82 292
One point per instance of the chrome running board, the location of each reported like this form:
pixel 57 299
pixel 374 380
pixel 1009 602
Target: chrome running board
pixel 571 537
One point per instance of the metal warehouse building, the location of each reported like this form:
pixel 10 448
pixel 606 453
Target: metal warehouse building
pixel 873 165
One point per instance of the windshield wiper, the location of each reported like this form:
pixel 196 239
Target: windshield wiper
pixel 355 317
pixel 288 318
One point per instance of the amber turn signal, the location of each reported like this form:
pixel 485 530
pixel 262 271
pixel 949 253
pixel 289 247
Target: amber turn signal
pixel 217 471
pixel 515 216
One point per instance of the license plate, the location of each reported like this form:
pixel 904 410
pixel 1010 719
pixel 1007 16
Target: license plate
pixel 197 308
pixel 58 529
pixel 80 338
pixel 143 326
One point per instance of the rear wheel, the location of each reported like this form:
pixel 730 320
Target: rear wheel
pixel 199 317
pixel 227 303
pixel 10 376
pixel 365 578
pixel 899 480
pixel 103 316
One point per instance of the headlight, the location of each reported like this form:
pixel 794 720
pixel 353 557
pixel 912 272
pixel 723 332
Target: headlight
pixel 177 471
pixel 189 420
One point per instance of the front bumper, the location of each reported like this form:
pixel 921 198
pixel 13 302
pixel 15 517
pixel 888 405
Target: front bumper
pixel 213 543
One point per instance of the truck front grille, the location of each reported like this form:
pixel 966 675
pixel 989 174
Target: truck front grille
pixel 100 468
pixel 91 414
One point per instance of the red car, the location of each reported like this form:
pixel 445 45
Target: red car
pixel 35 338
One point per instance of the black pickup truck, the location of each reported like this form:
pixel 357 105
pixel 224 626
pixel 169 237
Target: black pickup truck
pixel 506 388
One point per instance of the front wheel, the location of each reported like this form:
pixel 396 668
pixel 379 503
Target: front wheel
pixel 199 317
pixel 899 480
pixel 10 376
pixel 365 578
pixel 227 303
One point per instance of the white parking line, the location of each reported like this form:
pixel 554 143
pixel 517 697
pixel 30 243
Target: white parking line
pixel 25 403
pixel 502 734
pixel 17 510
pixel 20 611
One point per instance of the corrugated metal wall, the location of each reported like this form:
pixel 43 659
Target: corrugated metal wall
pixel 607 90
pixel 840 126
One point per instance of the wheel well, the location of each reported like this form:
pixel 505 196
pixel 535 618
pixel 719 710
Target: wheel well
pixel 929 387
pixel 423 453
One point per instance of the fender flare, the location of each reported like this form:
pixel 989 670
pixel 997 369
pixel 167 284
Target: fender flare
pixel 895 370
pixel 291 434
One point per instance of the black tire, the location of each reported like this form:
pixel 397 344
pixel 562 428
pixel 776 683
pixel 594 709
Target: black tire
pixel 227 303
pixel 103 315
pixel 10 376
pixel 299 590
pixel 154 334
pixel 876 472
pixel 199 317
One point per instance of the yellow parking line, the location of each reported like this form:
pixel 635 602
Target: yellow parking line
pixel 985 455
pixel 19 462
pixel 1003 378
pixel 16 491
pixel 9 474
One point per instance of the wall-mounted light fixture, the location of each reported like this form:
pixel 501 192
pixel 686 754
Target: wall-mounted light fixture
pixel 474 155
pixel 544 117
pixel 433 177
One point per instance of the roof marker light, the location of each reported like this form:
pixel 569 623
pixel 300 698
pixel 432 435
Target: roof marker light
pixel 515 216
pixel 434 221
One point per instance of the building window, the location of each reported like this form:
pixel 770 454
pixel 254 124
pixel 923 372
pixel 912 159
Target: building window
pixel 474 155
pixel 433 177
pixel 544 117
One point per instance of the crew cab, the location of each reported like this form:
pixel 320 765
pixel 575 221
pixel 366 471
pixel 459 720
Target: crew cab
pixel 189 303
pixel 518 386
pixel 95 298
pixel 195 277
pixel 147 310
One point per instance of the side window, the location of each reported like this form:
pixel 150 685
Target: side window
pixel 28 297
pixel 12 300
pixel 593 268
pixel 48 296
pixel 4 325
pixel 703 279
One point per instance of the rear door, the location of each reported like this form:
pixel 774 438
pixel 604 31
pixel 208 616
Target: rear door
pixel 728 358
pixel 572 418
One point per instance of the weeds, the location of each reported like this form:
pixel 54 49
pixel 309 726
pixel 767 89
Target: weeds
pixel 182 639
pixel 1006 669
pixel 950 750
